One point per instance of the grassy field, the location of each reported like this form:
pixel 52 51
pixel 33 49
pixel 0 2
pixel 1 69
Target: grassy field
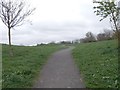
pixel 0 66
pixel 98 63
pixel 21 70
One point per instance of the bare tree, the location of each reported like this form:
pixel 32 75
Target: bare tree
pixel 108 34
pixel 12 14
pixel 90 37
pixel 101 37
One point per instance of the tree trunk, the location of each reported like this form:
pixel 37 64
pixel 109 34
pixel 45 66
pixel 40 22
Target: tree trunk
pixel 119 39
pixel 117 30
pixel 9 35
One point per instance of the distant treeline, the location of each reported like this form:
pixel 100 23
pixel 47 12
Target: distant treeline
pixel 90 37
pixel 106 35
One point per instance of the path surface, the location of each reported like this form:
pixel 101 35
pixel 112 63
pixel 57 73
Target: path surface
pixel 60 72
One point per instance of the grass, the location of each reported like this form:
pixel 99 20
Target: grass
pixel 98 63
pixel 21 70
pixel 0 66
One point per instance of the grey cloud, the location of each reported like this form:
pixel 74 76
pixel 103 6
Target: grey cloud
pixel 46 32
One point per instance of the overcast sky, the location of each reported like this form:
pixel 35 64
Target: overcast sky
pixel 56 20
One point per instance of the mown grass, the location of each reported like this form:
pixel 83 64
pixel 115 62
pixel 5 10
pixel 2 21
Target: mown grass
pixel 22 70
pixel 98 63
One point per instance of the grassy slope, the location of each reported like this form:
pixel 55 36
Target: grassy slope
pixel 98 63
pixel 21 70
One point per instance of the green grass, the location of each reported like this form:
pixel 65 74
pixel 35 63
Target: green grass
pixel 98 63
pixel 0 66
pixel 22 70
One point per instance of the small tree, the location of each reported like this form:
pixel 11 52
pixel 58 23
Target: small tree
pixel 108 8
pixel 12 14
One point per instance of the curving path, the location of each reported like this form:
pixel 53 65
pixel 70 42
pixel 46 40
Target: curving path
pixel 60 72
